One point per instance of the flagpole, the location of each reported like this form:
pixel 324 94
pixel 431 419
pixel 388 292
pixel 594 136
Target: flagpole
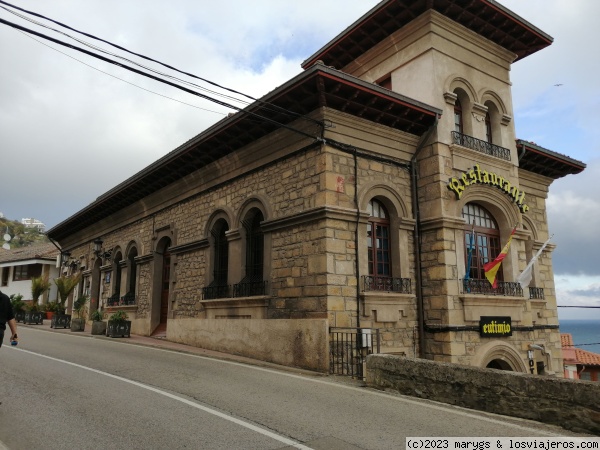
pixel 524 277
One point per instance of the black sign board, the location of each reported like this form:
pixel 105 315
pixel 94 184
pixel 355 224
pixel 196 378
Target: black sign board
pixel 495 326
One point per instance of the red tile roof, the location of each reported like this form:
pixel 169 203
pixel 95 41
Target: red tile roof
pixel 575 355
pixel 40 251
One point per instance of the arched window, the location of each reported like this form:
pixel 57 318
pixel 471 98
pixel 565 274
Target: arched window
pixel 485 244
pixel 458 117
pixel 254 246
pixel 378 240
pixel 221 258
pixel 129 297
pixel 253 284
pixel 488 128
pixel 117 268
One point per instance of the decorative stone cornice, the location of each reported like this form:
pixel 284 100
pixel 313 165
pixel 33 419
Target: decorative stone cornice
pixel 144 259
pixel 190 246
pixel 241 302
pixel 311 215
pixel 505 120
pixel 479 111
pixel 450 98
pixel 443 222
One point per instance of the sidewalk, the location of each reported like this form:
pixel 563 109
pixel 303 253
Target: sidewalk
pixel 161 342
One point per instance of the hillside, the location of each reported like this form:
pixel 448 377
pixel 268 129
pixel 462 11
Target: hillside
pixel 21 235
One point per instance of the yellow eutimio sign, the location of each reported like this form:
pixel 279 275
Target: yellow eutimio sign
pixel 495 326
pixel 478 176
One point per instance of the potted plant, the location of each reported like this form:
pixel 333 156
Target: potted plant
pixel 64 286
pixel 51 308
pixel 98 325
pixel 118 325
pixel 39 285
pixel 78 324
pixel 18 306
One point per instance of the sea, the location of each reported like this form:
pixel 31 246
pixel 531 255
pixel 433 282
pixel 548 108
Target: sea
pixel 586 333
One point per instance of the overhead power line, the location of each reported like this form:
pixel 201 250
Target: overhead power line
pixel 266 104
pixel 101 50
pixel 569 306
pixel 140 72
pixel 120 79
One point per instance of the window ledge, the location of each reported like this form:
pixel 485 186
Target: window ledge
pixel 237 307
pixel 387 307
pixel 477 305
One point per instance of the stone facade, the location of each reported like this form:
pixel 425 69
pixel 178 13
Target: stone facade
pixel 566 403
pixel 319 255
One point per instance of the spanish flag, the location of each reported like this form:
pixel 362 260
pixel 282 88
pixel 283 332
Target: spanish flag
pixel 491 268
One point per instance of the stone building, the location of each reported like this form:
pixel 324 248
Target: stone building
pixel 347 197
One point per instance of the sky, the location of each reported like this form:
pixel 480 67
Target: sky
pixel 72 127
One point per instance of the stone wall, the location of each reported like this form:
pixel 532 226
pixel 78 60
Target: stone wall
pixel 572 404
pixel 295 343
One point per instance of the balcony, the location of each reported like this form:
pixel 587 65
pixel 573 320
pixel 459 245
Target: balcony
pixel 387 284
pixel 249 288
pixel 536 293
pixel 128 299
pixel 480 146
pixel 216 291
pixel 116 300
pixel 113 300
pixel 505 288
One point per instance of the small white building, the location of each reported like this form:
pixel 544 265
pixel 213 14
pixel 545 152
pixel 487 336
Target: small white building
pixel 18 266
pixel 30 222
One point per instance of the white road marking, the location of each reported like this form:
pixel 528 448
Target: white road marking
pixel 214 412
pixel 401 398
pixel 423 402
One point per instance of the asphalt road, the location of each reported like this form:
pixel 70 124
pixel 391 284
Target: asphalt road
pixel 67 390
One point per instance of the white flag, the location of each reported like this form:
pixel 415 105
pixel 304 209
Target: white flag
pixel 525 278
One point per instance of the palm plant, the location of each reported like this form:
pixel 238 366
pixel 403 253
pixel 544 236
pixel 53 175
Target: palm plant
pixel 79 306
pixel 39 285
pixel 65 285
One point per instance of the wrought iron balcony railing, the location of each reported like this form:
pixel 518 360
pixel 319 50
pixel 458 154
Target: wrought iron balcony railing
pixel 116 300
pixel 128 299
pixel 480 146
pixel 250 288
pixel 536 293
pixel 216 291
pixel 113 300
pixel 387 284
pixel 505 288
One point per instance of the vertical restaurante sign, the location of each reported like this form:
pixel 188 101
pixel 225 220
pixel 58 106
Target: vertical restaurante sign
pixel 495 326
pixel 478 176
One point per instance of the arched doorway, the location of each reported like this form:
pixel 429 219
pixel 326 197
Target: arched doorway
pixel 499 355
pixel 499 364
pixel 164 291
pixel 161 287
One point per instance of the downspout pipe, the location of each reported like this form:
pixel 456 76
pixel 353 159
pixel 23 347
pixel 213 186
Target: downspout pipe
pixel 416 211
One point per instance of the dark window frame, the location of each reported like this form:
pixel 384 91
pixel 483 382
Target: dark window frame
pixel 488 128
pixel 27 272
pixel 255 247
pixel 221 254
pixel 458 117
pixel 379 241
pixel 486 242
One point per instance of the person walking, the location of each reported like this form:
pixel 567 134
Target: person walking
pixel 7 316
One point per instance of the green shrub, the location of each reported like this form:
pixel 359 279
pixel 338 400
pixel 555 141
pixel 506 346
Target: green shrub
pixel 118 316
pixel 18 305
